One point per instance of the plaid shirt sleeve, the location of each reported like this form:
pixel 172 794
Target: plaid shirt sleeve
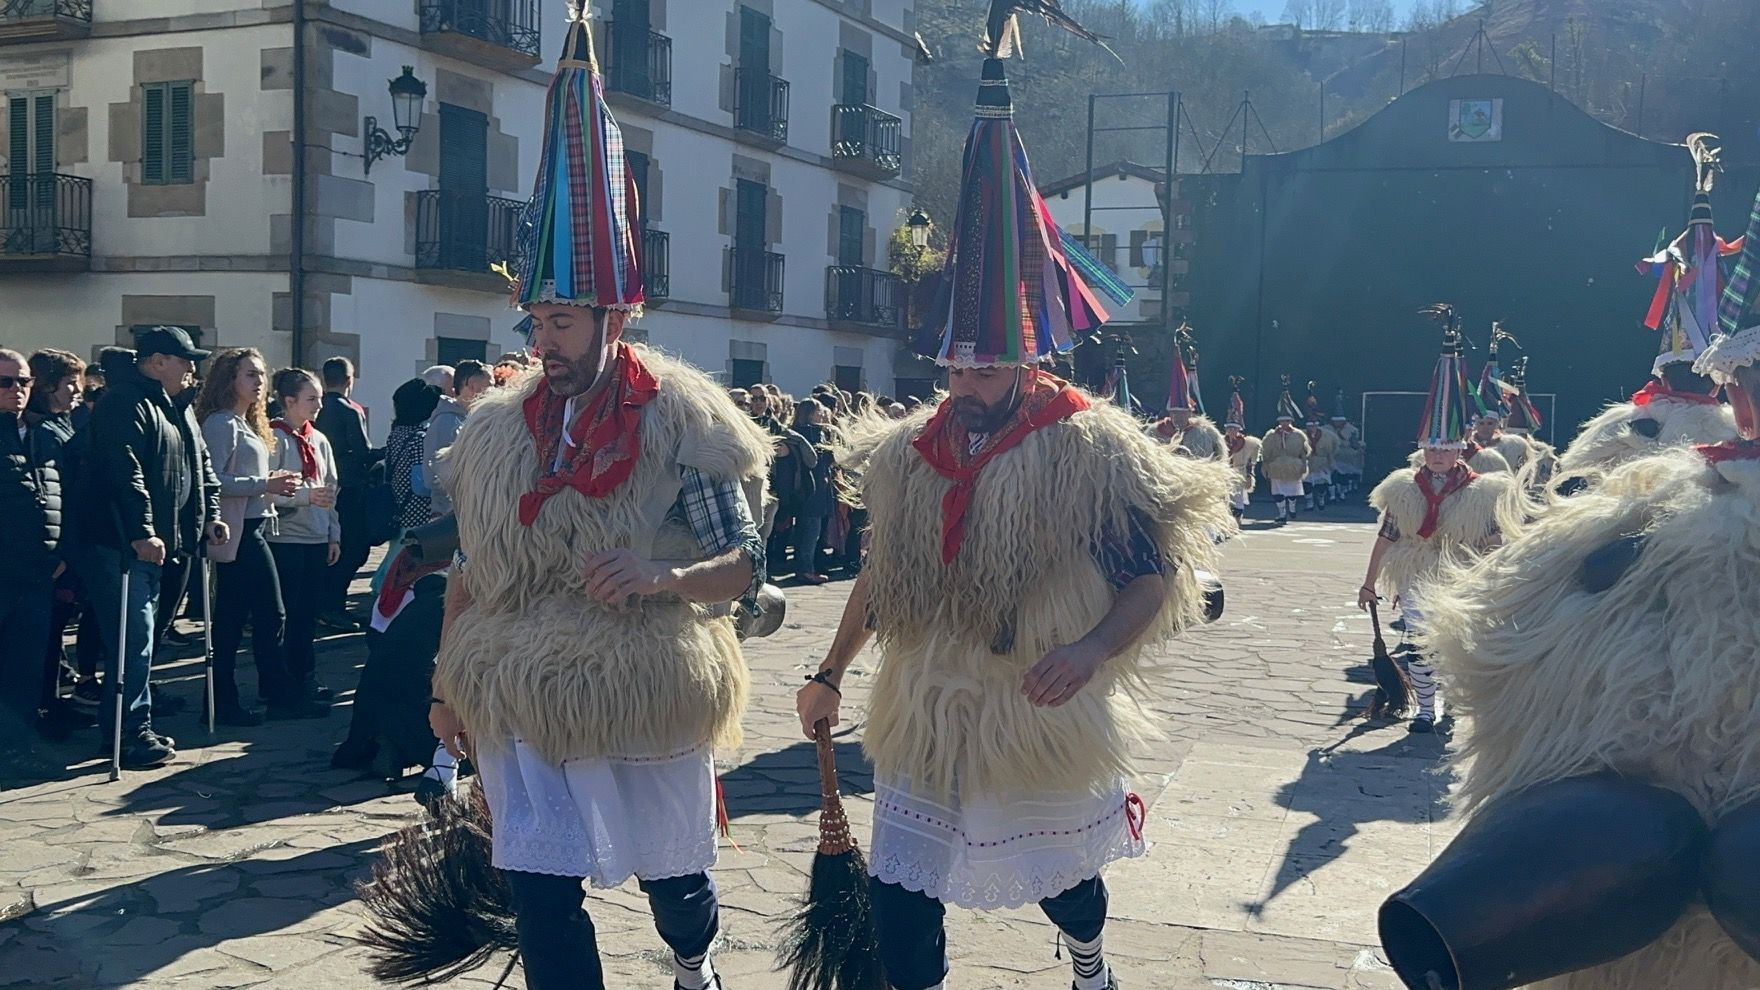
pixel 721 521
pixel 1389 528
pixel 1125 557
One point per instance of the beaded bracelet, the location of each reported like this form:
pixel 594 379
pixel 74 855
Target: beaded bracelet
pixel 822 677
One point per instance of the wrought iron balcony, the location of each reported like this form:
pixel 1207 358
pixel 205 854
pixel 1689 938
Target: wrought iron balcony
pixel 755 281
pixel 41 20
pixel 866 140
pixel 641 66
pixel 45 223
pixel 656 265
pixel 464 232
pixel 500 32
pixel 864 296
pixel 760 105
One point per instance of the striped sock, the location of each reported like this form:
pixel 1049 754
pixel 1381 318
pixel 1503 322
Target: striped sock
pixel 1423 685
pixel 693 972
pixel 1089 962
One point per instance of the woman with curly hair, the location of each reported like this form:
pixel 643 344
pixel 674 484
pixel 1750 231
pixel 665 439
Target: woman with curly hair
pixel 231 410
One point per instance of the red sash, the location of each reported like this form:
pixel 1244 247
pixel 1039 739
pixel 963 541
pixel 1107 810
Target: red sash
pixel 1459 478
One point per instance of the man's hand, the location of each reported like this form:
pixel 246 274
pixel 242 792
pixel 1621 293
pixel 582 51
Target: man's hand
pixel 283 485
pixel 615 575
pixel 1366 596
pixel 1063 672
pixel 219 532
pixel 324 497
pixel 150 550
pixel 815 701
pixel 448 728
pixel 334 555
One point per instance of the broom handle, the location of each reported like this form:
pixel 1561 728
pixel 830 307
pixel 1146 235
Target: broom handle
pixel 1375 619
pixel 827 758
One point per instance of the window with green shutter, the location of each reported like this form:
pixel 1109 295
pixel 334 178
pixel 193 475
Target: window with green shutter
pixel 167 143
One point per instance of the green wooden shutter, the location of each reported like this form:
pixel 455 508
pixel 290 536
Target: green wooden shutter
pixel 851 232
pixel 18 128
pixel 179 141
pixel 153 134
pixel 43 120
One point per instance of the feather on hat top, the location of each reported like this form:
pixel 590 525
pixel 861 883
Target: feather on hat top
pixel 1015 289
pixel 1447 409
pixel 1738 312
pixel 1689 271
pixel 579 240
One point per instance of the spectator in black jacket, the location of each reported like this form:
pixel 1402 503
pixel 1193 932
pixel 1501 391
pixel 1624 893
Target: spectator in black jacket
pixel 30 504
pixel 344 423
pixel 147 491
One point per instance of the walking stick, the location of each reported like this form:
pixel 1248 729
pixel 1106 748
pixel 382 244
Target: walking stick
pixel 208 638
pixel 117 674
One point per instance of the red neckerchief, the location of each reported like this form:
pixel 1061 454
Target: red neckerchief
pixel 1235 445
pixel 1167 430
pixel 946 446
pixel 302 438
pixel 1459 478
pixel 606 435
pixel 402 576
pixel 1730 450
pixel 1656 388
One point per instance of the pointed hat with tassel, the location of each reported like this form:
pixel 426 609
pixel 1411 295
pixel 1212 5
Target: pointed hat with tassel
pixel 1448 409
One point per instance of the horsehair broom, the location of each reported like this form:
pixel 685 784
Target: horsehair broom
pixel 439 906
pixel 830 943
pixel 1393 688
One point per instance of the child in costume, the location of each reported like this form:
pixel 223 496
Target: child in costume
pixel 1441 512
pixel 1030 545
pixel 1284 453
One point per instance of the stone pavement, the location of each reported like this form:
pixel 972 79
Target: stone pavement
pixel 1277 823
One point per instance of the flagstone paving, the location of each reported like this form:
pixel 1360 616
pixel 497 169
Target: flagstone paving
pixel 1277 823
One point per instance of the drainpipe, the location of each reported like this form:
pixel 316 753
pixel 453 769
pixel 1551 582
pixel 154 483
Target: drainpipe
pixel 296 260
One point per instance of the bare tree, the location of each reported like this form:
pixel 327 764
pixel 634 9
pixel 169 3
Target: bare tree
pixel 1315 15
pixel 1371 16
pixel 1214 15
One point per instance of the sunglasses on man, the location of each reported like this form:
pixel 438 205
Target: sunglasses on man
pixel 15 381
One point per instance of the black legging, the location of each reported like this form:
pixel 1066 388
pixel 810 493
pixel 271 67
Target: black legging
pixel 248 588
pixel 559 947
pixel 913 935
pixel 357 546
pixel 303 571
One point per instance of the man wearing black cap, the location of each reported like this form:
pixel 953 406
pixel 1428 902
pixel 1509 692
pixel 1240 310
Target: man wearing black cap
pixel 148 494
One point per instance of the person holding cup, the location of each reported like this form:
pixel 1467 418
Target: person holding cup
pixel 231 409
pixel 308 532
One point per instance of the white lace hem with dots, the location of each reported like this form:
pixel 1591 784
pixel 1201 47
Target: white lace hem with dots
pixel 603 819
pixel 999 853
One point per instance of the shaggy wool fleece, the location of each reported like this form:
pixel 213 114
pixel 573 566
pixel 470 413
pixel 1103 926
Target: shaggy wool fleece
pixel 1201 439
pixel 533 656
pixel 1654 677
pixel 956 639
pixel 1608 440
pixel 1243 461
pixel 1285 456
pixel 1472 520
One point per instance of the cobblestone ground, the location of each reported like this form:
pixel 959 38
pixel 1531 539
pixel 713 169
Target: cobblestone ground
pixel 1277 823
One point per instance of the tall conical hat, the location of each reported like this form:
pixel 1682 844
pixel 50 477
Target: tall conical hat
pixel 1689 271
pixel 1489 395
pixel 1118 387
pixel 1237 407
pixel 1179 387
pixel 579 240
pixel 1286 403
pixel 1738 313
pixel 1523 414
pixel 1448 408
pixel 1311 406
pixel 1015 289
pixel 1338 408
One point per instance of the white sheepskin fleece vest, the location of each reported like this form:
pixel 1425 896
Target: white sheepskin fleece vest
pixel 1608 440
pixel 1243 461
pixel 1322 451
pixel 1472 519
pixel 956 639
pixel 1654 678
pixel 1285 455
pixel 1201 440
pixel 535 657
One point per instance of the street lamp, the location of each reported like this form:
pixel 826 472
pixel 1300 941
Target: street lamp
pixel 407 93
pixel 919 224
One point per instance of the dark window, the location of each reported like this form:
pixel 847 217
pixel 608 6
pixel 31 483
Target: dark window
pixel 846 378
pixel 751 215
pixel 1103 247
pixel 855 79
pixel 637 163
pixel 745 373
pixel 464 189
pixel 754 40
pixel 851 233
pixel 1138 239
pixel 167 120
pixel 632 21
pixel 451 350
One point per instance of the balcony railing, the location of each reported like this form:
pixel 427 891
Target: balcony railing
pixel 640 65
pixel 865 296
pixel 760 104
pixel 485 27
pixel 464 232
pixel 45 222
pixel 867 139
pixel 656 264
pixel 755 283
pixel 35 20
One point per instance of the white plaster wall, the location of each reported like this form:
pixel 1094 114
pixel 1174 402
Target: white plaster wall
pixel 109 11
pixel 1130 191
pixel 80 312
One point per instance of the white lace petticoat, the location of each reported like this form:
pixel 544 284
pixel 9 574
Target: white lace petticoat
pixel 1000 853
pixel 604 819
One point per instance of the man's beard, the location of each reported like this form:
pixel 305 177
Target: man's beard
pixel 977 416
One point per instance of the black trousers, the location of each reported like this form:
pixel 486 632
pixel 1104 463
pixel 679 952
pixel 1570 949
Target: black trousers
pixel 247 589
pixel 303 569
pixel 913 935
pixel 351 510
pixel 559 947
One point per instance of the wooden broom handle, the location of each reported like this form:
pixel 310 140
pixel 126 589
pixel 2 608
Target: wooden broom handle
pixel 1375 619
pixel 827 758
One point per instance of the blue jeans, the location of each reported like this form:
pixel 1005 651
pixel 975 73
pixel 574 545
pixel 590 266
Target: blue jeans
pixel 101 570
pixel 807 530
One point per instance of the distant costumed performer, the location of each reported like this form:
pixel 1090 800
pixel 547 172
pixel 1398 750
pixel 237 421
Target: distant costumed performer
pixel 1678 406
pixel 1441 512
pixel 1007 697
pixel 588 658
pixel 1322 448
pixel 1185 428
pixel 1285 452
pixel 1347 459
pixel 1612 778
pixel 1242 449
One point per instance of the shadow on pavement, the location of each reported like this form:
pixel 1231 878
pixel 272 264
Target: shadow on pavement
pixel 787 781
